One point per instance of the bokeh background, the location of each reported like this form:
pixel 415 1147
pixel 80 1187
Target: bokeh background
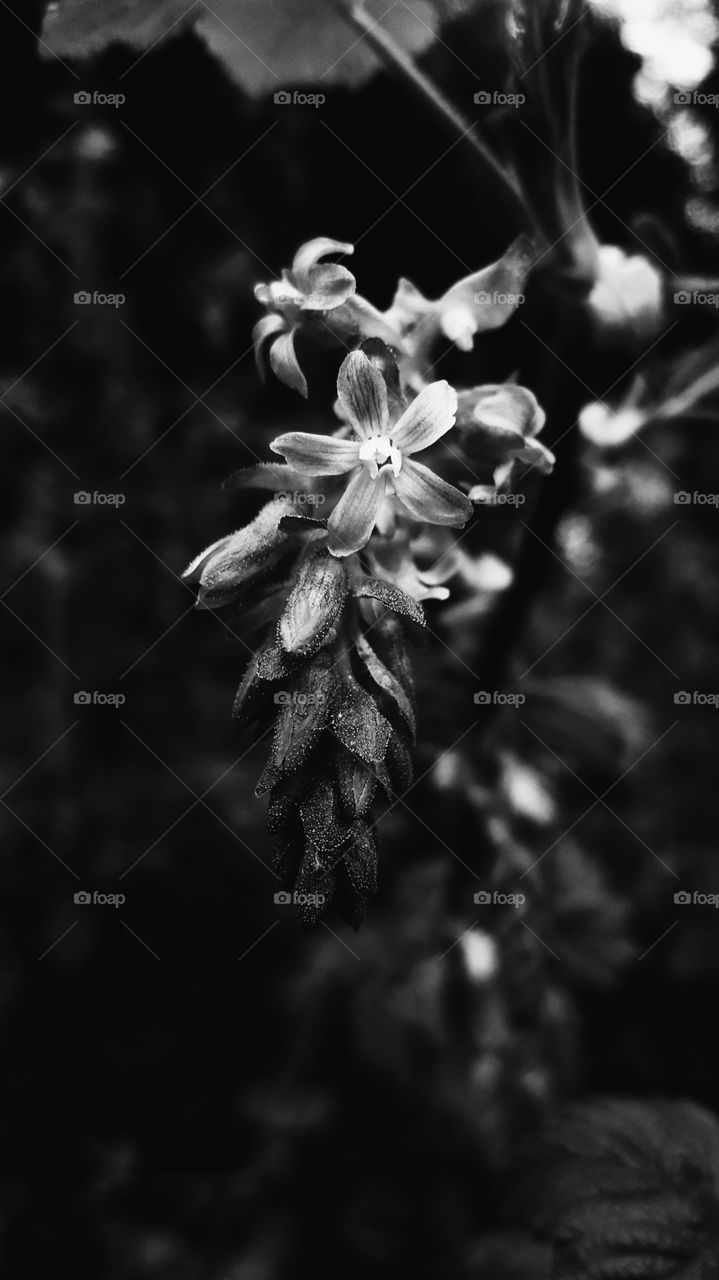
pixel 191 1085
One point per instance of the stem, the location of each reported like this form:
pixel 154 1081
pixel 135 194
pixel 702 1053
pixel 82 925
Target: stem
pixel 398 60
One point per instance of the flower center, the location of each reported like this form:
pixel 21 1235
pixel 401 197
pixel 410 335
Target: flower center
pixel 378 450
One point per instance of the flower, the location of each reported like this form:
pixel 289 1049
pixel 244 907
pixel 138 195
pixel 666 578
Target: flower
pixel 307 291
pixel 380 458
pixel 394 561
pixel 628 293
pixel 478 303
pixel 496 429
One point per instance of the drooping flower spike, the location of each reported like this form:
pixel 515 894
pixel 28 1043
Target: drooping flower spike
pixel 310 289
pixel 380 459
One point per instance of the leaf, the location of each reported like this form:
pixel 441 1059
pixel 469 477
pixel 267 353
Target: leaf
pixel 325 834
pixel 399 764
pixel 314 889
pixel 386 681
pixel 359 725
pixel 264 45
pixel 391 597
pixel 303 715
pixel 357 876
pixel 245 698
pixel 273 664
pixel 357 782
pixel 273 44
pixel 275 476
pixel 627 1190
pixel 79 28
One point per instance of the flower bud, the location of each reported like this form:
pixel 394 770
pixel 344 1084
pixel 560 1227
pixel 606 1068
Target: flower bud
pixel 226 568
pixel 314 604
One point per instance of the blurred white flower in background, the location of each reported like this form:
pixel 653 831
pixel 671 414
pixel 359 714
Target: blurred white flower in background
pixel 673 38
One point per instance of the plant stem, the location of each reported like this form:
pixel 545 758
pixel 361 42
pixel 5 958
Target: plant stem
pixel 398 60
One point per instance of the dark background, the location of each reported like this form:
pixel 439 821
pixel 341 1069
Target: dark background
pixel 191 1085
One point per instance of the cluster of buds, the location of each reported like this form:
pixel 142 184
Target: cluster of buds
pixel 325 585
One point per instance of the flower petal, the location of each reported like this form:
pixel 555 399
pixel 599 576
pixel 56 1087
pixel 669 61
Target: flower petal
pixel 430 499
pixel 362 393
pixel 428 417
pixel 265 328
pixel 329 286
pixel 408 306
pixel 508 406
pixel 354 517
pixel 536 454
pixel 488 298
pixel 315 455
pixel 285 364
pixel 309 254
